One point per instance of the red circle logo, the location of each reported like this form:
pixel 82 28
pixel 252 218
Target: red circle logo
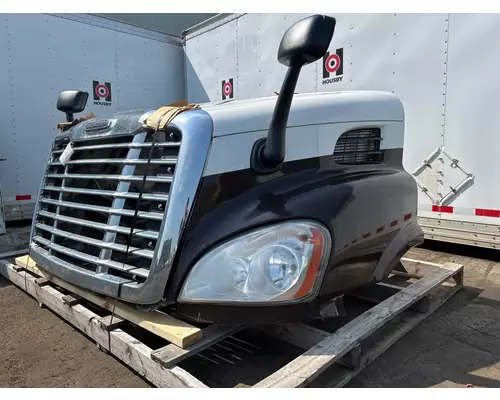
pixel 228 88
pixel 102 90
pixel 332 63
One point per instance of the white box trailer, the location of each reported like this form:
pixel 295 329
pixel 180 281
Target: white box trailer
pixel 442 67
pixel 121 67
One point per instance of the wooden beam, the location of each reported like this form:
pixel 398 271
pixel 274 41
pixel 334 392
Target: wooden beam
pixel 306 336
pixel 337 379
pixel 18 268
pixel 72 300
pixel 112 322
pixel 41 281
pixel 305 368
pixel 175 331
pixel 138 356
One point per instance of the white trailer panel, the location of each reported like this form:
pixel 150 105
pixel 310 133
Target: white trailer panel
pixel 122 68
pixel 442 67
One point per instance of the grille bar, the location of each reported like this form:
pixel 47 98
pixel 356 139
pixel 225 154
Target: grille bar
pixel 362 152
pixel 95 242
pixel 108 193
pixel 163 161
pixel 118 203
pixel 98 225
pixel 142 272
pixel 350 140
pixel 122 146
pixel 58 209
pixel 106 210
pixel 124 178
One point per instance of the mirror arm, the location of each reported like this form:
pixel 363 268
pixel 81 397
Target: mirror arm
pixel 268 154
pixel 69 117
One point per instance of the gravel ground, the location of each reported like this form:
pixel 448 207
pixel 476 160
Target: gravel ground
pixel 38 349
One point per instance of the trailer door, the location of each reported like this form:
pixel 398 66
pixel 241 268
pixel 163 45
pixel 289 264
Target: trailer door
pixel 469 212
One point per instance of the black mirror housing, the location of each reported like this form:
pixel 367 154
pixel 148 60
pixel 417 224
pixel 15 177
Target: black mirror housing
pixel 71 102
pixel 306 41
pixel 303 43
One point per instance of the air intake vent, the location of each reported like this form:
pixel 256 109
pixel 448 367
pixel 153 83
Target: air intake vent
pixel 358 147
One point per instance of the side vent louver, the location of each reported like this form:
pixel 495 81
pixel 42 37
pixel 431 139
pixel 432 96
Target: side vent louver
pixel 358 147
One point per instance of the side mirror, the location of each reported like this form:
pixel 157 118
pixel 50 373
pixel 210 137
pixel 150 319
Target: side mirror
pixel 71 102
pixel 303 43
pixel 306 41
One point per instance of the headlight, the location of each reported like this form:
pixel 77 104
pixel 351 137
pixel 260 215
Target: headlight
pixel 278 263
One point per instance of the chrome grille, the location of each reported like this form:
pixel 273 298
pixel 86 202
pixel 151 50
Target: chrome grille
pixel 87 206
pixel 359 146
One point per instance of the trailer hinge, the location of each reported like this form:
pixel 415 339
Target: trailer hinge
pixel 442 178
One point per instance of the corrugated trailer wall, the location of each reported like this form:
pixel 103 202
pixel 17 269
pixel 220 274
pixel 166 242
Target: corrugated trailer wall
pixel 122 67
pixel 441 67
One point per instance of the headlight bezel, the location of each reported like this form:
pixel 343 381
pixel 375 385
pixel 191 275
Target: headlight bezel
pixel 314 272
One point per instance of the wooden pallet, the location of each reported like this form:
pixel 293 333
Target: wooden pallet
pixel 332 356
pixel 172 329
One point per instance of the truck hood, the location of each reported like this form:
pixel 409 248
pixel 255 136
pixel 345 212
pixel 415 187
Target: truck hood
pixel 121 123
pixel 254 115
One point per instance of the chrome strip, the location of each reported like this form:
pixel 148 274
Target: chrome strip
pixel 95 242
pixel 107 193
pixel 131 269
pixel 105 284
pixel 108 210
pixel 152 235
pixel 119 204
pixel 122 146
pixel 121 178
pixel 43 183
pixel 197 129
pixel 164 161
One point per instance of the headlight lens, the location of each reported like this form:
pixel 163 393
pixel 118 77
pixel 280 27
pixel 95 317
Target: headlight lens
pixel 277 263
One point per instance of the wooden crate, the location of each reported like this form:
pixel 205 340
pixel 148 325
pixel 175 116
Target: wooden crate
pixel 328 355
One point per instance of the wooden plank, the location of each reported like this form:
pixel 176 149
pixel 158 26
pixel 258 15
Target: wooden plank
pixel 381 291
pixel 406 260
pixel 175 331
pixel 418 268
pixel 72 299
pixel 171 354
pixel 459 278
pixel 313 362
pixel 138 356
pixel 18 268
pixel 342 378
pixel 41 281
pixel 120 344
pixel 111 322
pixel 305 336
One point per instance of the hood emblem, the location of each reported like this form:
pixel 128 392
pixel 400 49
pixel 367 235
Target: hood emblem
pixel 97 125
